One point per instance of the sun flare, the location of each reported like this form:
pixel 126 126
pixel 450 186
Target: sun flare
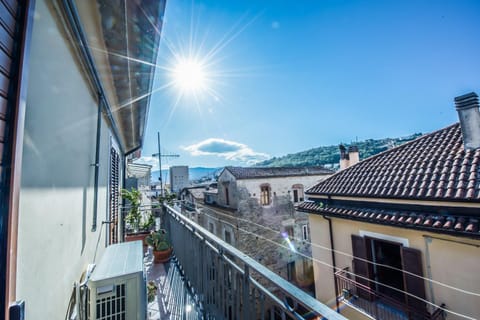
pixel 190 75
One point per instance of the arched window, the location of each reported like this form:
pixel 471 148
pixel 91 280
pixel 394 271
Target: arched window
pixel 265 194
pixel 297 193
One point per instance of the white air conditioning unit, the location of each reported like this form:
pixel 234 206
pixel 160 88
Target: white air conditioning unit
pixel 117 287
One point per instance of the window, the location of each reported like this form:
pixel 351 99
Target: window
pixel 265 194
pixel 114 194
pixel 306 266
pixel 228 237
pixel 211 227
pixel 297 193
pixel 389 259
pixel 291 271
pixel 227 197
pixel 305 232
pixel 289 232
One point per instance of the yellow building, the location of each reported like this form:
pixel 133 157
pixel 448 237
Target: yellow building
pixel 396 236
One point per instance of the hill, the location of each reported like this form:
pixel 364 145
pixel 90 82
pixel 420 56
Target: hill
pixel 329 156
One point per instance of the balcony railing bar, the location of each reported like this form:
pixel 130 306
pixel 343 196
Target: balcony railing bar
pixel 225 286
pixel 378 310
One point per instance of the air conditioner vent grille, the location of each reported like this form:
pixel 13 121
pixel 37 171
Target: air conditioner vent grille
pixel 113 306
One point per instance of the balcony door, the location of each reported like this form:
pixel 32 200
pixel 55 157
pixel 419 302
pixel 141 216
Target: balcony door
pixel 380 266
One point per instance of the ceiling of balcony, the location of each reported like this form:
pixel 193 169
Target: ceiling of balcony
pixel 123 37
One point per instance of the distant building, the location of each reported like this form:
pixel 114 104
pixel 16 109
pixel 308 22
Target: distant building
pixel 262 201
pixel 178 178
pixel 138 176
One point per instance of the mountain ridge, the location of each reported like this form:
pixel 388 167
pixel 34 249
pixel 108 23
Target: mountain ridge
pixel 329 156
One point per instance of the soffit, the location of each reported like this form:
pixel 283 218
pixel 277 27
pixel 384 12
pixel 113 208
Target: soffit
pixel 123 37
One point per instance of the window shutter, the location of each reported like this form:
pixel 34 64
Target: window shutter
pixel 114 194
pixel 361 268
pixel 412 262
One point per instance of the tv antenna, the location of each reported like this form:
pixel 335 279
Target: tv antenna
pixel 160 156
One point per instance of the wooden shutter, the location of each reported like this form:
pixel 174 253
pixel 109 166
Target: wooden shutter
pixel 361 267
pixel 114 194
pixel 15 32
pixel 8 93
pixel 412 262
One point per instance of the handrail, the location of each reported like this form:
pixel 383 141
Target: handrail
pixel 235 256
pixel 345 282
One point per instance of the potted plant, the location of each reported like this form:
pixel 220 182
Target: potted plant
pixel 161 247
pixel 138 225
pixel 151 291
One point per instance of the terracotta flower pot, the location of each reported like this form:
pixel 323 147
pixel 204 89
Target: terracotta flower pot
pixel 162 256
pixel 138 236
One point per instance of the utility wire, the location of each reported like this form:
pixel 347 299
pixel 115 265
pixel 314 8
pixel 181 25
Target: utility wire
pixel 357 258
pixel 349 272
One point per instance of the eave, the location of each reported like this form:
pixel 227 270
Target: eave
pixel 123 38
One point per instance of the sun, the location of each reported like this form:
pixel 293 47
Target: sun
pixel 190 76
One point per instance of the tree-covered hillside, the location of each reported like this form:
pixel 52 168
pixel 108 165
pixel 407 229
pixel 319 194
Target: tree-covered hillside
pixel 330 156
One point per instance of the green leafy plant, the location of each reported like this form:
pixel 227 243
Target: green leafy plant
pixel 158 240
pixel 134 216
pixel 149 223
pixel 167 198
pixel 151 291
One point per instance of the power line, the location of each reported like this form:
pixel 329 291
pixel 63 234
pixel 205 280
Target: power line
pixel 357 258
pixel 349 272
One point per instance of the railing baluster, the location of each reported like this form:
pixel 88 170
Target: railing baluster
pixel 220 278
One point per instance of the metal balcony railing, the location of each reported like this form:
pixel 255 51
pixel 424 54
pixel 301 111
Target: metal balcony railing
pixel 379 306
pixel 225 283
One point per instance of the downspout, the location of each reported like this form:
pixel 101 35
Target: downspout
pixel 332 250
pixel 428 240
pixel 97 163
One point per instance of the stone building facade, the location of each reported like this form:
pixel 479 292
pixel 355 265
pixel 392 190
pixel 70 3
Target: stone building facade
pixel 255 211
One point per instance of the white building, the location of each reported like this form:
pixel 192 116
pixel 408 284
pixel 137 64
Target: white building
pixel 263 201
pixel 178 178
pixel 69 115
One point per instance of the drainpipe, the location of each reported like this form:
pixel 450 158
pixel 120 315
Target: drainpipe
pixel 97 162
pixel 428 240
pixel 332 249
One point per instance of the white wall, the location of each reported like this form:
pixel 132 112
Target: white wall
pixel 280 185
pixel 55 240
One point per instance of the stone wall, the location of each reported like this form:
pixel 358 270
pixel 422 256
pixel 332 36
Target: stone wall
pixel 260 232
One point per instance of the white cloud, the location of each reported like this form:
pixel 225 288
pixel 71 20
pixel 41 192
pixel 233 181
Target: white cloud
pixel 153 161
pixel 229 150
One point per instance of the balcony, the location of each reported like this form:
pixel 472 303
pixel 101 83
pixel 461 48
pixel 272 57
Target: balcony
pixel 210 279
pixel 376 304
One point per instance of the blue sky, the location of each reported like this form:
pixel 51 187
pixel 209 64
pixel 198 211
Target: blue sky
pixel 286 76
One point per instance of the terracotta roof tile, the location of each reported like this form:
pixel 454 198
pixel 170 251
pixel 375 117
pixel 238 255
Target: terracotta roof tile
pixel 269 172
pixel 468 226
pixel 432 167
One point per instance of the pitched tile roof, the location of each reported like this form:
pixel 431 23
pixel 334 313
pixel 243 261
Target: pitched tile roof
pixel 272 172
pixel 458 225
pixel 432 167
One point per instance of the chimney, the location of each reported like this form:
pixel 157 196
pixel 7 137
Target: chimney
pixel 353 155
pixel 469 115
pixel 343 157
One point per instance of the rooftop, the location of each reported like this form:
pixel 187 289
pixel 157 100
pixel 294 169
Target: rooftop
pixel 433 167
pixel 274 172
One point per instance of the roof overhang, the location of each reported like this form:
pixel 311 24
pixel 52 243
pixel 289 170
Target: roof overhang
pixel 123 37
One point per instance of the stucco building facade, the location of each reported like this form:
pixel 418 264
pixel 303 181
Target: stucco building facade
pixel 401 228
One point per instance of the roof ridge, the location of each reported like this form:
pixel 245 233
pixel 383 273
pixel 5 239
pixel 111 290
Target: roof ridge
pixel 404 145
